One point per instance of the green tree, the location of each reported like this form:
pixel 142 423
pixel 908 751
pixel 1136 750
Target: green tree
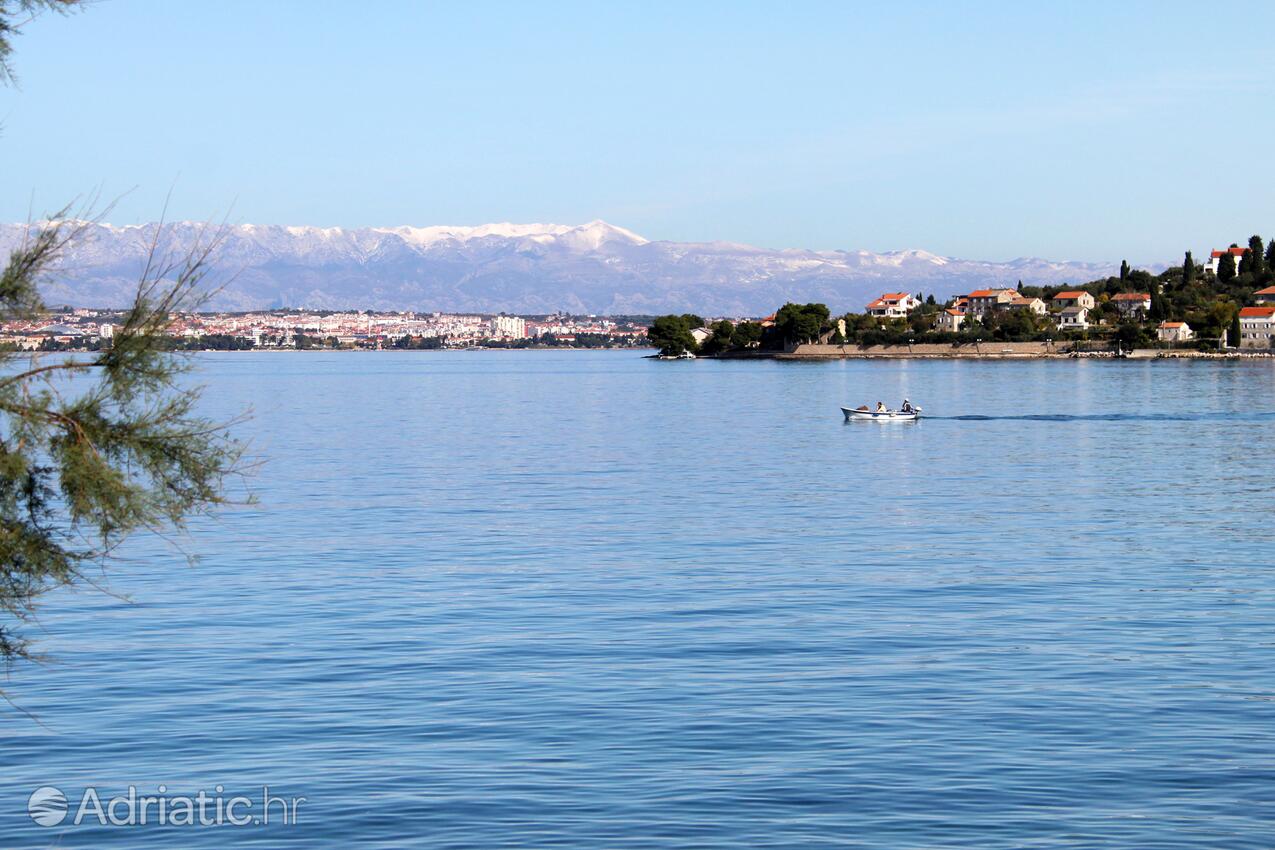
pixel 1233 336
pixel 1188 270
pixel 799 323
pixel 1124 270
pixel 722 338
pixel 1129 334
pixel 1159 310
pixel 1256 255
pixel 95 449
pixel 1226 267
pixel 672 334
pixel 1270 256
pixel 747 334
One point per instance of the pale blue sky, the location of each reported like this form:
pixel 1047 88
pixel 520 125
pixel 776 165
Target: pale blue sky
pixel 983 130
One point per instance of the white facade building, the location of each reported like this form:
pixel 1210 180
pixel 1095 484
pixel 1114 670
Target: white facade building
pixel 949 320
pixel 981 301
pixel 894 305
pixel 1131 304
pixel 508 327
pixel 1257 327
pixel 1215 259
pixel 1074 319
pixel 1074 298
pixel 1174 332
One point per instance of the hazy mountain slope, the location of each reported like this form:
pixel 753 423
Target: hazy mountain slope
pixel 526 268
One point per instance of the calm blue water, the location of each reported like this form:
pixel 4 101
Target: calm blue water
pixel 586 600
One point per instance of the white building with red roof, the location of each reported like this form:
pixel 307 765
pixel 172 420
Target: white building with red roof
pixel 981 301
pixel 1174 332
pixel 1257 327
pixel 894 305
pixel 1028 303
pixel 949 320
pixel 1215 258
pixel 1074 298
pixel 1265 296
pixel 1131 304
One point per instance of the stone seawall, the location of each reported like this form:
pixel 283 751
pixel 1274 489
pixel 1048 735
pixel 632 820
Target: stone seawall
pixel 984 349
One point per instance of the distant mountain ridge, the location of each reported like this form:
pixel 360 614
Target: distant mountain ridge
pixel 522 268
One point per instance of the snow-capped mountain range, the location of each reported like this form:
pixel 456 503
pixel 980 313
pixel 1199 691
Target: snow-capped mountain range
pixel 520 268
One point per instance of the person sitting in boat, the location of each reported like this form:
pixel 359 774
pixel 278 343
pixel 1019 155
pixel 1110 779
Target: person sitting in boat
pixel 881 407
pixel 907 406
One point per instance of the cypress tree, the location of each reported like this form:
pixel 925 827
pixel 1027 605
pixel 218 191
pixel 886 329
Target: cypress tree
pixel 1188 270
pixel 1158 310
pixel 1226 267
pixel 1124 270
pixel 1246 262
pixel 1257 260
pixel 1270 256
pixel 1234 336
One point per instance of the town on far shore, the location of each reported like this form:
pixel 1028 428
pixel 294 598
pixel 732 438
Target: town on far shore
pixel 1226 304
pixel 81 329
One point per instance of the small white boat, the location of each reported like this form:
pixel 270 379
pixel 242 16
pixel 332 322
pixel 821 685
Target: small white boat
pixel 865 414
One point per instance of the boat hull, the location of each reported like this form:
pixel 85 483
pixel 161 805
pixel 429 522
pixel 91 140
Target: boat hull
pixel 853 415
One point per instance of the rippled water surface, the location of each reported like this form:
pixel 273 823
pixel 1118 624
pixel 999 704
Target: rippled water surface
pixel 586 600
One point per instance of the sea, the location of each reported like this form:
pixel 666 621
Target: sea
pixel 572 599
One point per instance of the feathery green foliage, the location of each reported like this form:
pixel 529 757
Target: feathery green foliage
pixel 94 449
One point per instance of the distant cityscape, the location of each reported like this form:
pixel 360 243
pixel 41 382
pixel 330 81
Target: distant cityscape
pixel 72 329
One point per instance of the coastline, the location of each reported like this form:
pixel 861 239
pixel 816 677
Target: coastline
pixel 994 351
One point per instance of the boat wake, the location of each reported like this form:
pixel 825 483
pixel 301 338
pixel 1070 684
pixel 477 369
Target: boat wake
pixel 1115 417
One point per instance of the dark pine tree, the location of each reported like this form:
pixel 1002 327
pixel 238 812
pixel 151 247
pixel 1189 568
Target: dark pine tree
pixel 1159 312
pixel 1270 256
pixel 1226 267
pixel 1188 270
pixel 1257 258
pixel 1246 263
pixel 1124 269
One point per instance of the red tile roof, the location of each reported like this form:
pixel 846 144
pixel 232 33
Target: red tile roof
pixel 1173 324
pixel 1070 295
pixel 1257 312
pixel 982 293
pixel 1132 296
pixel 951 312
pixel 1270 290
pixel 1235 252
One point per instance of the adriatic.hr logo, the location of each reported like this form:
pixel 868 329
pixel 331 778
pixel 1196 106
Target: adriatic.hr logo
pixel 47 806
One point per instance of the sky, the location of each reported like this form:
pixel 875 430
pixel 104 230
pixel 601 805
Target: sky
pixel 1084 130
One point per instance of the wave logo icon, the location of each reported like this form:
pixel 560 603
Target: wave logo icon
pixel 47 806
